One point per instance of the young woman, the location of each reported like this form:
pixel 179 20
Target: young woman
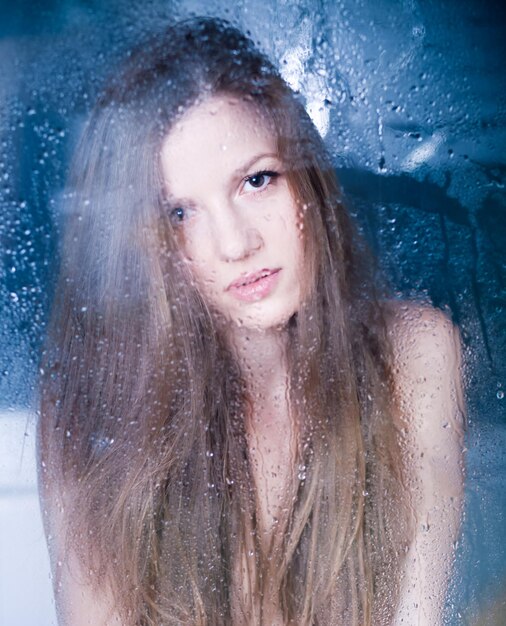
pixel 237 426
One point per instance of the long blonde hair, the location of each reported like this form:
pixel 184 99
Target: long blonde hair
pixel 144 405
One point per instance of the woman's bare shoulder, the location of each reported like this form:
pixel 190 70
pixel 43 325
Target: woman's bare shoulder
pixel 414 325
pixel 428 385
pixel 427 367
pixel 425 343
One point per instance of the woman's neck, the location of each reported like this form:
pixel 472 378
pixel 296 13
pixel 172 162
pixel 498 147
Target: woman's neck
pixel 270 429
pixel 262 358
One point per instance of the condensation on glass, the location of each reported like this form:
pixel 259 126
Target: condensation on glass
pixel 409 97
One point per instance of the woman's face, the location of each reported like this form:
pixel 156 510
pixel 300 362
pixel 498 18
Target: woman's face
pixel 236 218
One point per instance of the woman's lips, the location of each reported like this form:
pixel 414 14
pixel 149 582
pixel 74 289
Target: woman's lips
pixel 256 286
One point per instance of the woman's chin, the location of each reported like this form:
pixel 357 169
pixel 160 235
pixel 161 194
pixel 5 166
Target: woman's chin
pixel 260 323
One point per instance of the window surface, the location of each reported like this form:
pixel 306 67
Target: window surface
pixel 410 99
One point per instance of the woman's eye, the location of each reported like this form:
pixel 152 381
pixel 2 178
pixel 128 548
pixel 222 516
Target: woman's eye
pixel 259 181
pixel 177 214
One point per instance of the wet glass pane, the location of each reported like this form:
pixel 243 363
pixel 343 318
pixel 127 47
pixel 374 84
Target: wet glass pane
pixel 409 97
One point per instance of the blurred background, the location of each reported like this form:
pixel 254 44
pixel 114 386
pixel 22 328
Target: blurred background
pixel 411 98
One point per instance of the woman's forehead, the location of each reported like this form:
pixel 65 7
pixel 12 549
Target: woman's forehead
pixel 241 110
pixel 219 133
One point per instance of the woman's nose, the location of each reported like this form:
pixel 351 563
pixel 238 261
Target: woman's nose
pixel 236 236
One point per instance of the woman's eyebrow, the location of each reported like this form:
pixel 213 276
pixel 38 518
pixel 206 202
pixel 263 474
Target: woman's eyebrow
pixel 243 169
pixel 174 202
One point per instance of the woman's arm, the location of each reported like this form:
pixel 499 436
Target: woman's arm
pixel 428 385
pixel 78 602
